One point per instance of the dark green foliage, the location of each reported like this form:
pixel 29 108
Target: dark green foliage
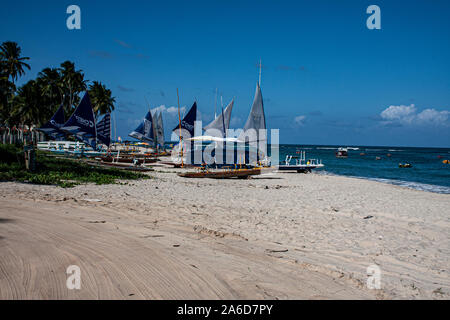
pixel 56 171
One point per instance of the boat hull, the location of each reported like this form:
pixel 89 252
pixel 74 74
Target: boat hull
pixel 239 173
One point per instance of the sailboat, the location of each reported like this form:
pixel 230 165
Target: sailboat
pixel 145 132
pixel 255 130
pixel 256 121
pixel 53 127
pixel 186 126
pixel 217 129
pixel 184 130
pixel 81 123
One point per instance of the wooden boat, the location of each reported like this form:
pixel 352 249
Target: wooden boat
pixel 222 174
pixel 404 165
pixel 122 166
pixel 177 164
pixel 128 159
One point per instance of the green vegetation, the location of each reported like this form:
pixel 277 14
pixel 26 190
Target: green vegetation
pixel 37 100
pixel 55 171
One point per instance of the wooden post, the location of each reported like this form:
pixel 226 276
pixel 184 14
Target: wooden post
pixel 30 157
pixel 179 119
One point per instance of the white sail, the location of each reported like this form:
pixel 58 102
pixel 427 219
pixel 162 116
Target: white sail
pixel 160 130
pixel 222 122
pixel 256 121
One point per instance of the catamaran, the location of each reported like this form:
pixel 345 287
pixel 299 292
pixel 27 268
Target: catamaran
pixel 300 165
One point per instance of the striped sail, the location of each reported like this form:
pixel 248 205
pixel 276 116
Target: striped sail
pixel 52 128
pixel 81 123
pixel 104 130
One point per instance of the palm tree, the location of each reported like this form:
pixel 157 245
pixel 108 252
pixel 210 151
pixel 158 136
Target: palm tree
pixel 51 84
pixel 12 61
pixel 73 83
pixel 27 105
pixel 7 89
pixel 101 98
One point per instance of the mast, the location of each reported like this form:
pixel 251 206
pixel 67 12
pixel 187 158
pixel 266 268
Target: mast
pixel 260 66
pixel 115 127
pixel 215 106
pixel 155 142
pixel 179 119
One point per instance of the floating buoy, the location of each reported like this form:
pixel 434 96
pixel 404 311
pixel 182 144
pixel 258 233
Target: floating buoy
pixel 446 161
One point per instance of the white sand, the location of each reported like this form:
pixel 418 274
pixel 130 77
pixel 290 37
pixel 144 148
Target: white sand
pixel 230 239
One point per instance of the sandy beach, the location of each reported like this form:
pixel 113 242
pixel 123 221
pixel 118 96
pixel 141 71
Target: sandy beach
pixel 283 236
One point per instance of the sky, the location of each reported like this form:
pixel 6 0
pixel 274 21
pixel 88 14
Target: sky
pixel 326 78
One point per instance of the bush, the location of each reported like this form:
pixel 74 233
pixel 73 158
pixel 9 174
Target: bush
pixel 56 171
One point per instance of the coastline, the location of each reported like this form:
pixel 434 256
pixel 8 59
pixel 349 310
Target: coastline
pixel 412 185
pixel 288 236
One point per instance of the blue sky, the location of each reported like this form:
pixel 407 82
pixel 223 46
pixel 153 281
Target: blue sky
pixel 326 78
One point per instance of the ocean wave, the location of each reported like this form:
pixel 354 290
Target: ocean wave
pixel 415 185
pixel 408 184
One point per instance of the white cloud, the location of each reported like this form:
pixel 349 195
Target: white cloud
pixel 433 116
pixel 408 115
pixel 170 110
pixel 401 113
pixel 300 120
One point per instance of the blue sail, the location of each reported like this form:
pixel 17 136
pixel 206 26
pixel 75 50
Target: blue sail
pixel 81 123
pixel 104 130
pixel 144 131
pixel 188 121
pixel 52 128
